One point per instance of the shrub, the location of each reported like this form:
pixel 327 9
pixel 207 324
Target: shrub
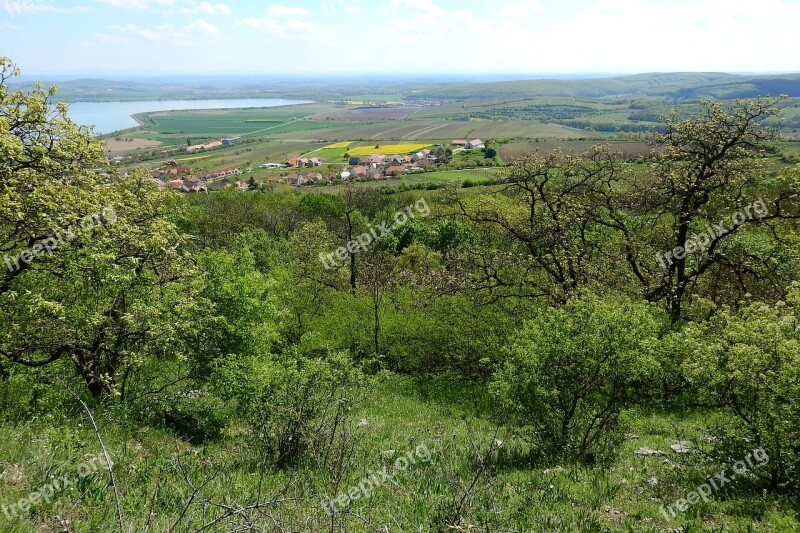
pixel 292 404
pixel 571 372
pixel 196 416
pixel 749 361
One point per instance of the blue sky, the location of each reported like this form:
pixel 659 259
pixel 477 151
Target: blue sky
pixel 399 36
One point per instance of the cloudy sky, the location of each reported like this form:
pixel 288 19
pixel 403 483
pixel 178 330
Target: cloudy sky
pixel 399 36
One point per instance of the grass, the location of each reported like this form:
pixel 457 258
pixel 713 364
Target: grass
pixel 331 155
pixel 454 422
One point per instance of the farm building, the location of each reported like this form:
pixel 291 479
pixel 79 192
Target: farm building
pixel 395 170
pixel 230 141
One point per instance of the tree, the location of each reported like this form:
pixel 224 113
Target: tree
pixel 707 170
pixel 568 218
pixel 97 276
pixel 748 361
pixel 571 371
pixel 543 212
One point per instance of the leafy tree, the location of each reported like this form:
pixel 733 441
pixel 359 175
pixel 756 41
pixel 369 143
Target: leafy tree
pixel 706 168
pixel 304 284
pixel 97 276
pixel 244 304
pixel 749 362
pixel 544 215
pixel 571 371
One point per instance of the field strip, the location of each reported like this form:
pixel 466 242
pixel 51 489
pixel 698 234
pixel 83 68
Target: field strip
pixel 312 152
pixel 417 110
pixel 281 125
pixel 426 131
pixel 390 130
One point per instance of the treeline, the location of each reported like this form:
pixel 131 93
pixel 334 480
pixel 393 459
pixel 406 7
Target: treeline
pixel 540 113
pixel 611 127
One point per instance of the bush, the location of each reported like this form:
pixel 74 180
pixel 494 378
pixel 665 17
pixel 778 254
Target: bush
pixel 196 416
pixel 749 361
pixel 571 372
pixel 292 404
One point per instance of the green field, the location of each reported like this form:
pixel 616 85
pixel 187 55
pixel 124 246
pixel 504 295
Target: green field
pixel 516 114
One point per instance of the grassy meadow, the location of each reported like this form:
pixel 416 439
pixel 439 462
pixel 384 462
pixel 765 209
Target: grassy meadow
pixel 478 473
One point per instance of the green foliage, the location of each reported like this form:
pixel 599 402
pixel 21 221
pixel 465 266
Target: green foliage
pixel 749 361
pixel 571 371
pixel 196 416
pixel 293 405
pixel 174 312
pixel 245 311
pixel 104 278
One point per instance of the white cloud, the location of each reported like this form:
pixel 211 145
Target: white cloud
pixel 110 39
pixel 286 11
pixel 31 7
pixel 158 33
pixel 201 27
pixel 208 8
pixel 295 28
pixel 164 32
pixel 524 9
pixel 138 4
pixel 333 7
pixel 214 9
pixel 417 7
pixel 398 36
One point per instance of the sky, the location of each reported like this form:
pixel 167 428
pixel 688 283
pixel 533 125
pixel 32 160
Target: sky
pixel 399 37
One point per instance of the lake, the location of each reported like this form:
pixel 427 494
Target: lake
pixel 107 117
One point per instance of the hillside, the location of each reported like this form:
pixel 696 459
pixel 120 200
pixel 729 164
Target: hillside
pixel 676 86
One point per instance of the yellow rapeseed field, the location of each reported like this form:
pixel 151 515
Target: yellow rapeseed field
pixel 338 145
pixel 388 149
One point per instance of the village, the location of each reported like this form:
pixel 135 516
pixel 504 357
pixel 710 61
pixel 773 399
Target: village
pixel 305 171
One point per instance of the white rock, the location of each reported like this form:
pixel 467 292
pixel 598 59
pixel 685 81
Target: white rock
pixel 648 452
pixel 681 447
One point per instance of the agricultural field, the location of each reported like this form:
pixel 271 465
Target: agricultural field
pixel 388 149
pixel 371 113
pixel 514 150
pixel 338 145
pixel 521 124
pixel 329 155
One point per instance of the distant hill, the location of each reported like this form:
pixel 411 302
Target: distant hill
pixel 679 86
